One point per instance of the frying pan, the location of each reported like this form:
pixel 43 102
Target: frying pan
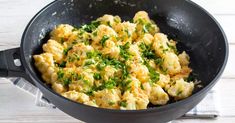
pixel 196 31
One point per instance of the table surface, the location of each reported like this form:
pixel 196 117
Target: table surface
pixel 17 106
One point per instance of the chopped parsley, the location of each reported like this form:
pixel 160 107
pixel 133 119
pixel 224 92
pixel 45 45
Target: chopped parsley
pixel 111 102
pixel 173 48
pixel 66 81
pixel 73 58
pixel 65 52
pixel 97 76
pixel 124 51
pixel 94 33
pixel 63 64
pixel 89 62
pixel 110 84
pixel 146 27
pixel 152 72
pixel 128 33
pixel 76 76
pixel 103 40
pixel 147 52
pixel 123 103
pixel 60 74
pixel 91 27
pixel 62 40
pixel 101 65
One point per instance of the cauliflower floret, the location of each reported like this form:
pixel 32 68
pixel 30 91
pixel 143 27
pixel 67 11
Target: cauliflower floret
pixel 108 72
pixel 58 87
pixel 140 71
pixel 141 15
pixel 103 31
pixel 45 65
pixel 108 98
pixel 144 24
pixel 62 32
pixel 171 63
pixel 184 73
pixel 158 96
pixel 163 80
pixel 135 83
pixel 109 20
pixel 147 88
pixel 142 100
pixel 111 49
pixel 136 55
pixel 55 48
pixel 183 59
pixel 84 84
pixel 128 101
pixel 160 44
pixel 181 89
pixel 79 52
pixel 125 31
pixel 91 103
pixel 76 96
pixel 148 39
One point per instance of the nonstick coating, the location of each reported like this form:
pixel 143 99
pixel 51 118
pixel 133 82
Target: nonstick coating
pixel 195 30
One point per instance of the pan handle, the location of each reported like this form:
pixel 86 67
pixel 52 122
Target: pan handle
pixel 10 64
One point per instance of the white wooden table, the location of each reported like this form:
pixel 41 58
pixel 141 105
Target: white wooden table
pixel 17 106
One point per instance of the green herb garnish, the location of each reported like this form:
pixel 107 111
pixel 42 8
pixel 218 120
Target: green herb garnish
pixel 103 40
pixel 97 76
pixel 123 103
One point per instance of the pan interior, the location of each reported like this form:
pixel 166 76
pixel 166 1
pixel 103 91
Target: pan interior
pixel 194 30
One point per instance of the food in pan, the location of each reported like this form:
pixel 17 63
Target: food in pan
pixel 115 64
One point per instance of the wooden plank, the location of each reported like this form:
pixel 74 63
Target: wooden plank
pixel 217 6
pixel 226 22
pixel 218 120
pixel 229 71
pixel 15 16
pixel 19 106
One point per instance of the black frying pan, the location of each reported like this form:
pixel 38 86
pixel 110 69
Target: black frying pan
pixel 197 32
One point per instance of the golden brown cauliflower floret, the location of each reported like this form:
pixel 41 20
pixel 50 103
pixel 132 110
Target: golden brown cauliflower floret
pixel 55 48
pixel 141 15
pixel 144 24
pixel 136 55
pixel 58 87
pixel 62 32
pixel 108 72
pixel 128 101
pixel 76 96
pixel 135 99
pixel 125 31
pixel 85 83
pixel 183 59
pixel 103 33
pixel 108 98
pixel 111 49
pixel 160 44
pixel 147 88
pixel 163 80
pixel 109 20
pixel 171 63
pixel 140 71
pixel 148 39
pixel 158 96
pixel 184 73
pixel 181 89
pixel 142 100
pixel 45 65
